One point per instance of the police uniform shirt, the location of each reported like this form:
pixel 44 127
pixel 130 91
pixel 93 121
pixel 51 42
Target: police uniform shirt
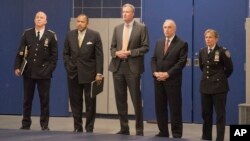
pixel 216 67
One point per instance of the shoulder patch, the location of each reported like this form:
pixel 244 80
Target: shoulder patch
pixel 227 53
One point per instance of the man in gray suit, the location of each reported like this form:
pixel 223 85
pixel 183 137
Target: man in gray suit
pixel 83 60
pixel 129 44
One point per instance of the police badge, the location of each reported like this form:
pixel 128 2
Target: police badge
pixel 46 42
pixel 217 56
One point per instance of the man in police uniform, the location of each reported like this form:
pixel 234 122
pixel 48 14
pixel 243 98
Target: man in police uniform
pixel 216 66
pixel 39 47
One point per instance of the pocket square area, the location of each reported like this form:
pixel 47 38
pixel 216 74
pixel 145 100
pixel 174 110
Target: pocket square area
pixel 89 43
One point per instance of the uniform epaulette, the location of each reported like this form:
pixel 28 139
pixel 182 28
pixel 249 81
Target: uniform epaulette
pixel 28 29
pixel 51 31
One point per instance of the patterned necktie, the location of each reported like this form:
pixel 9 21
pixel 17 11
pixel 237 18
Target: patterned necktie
pixel 125 38
pixel 38 35
pixel 166 46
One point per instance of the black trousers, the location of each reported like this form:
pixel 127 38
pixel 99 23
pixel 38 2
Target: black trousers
pixel 218 102
pixel 76 102
pixel 124 79
pixel 43 86
pixel 168 96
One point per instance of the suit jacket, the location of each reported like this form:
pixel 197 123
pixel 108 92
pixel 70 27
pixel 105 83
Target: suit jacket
pixel 172 62
pixel 138 45
pixel 84 62
pixel 42 54
pixel 216 67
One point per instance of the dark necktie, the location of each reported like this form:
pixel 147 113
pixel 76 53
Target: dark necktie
pixel 166 46
pixel 38 35
pixel 210 51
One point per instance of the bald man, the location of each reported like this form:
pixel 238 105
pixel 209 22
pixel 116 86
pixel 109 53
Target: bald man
pixel 167 63
pixel 39 47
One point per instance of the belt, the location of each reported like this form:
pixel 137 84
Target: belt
pixel 124 60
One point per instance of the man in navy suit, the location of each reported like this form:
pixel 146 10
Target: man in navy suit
pixel 167 63
pixel 129 44
pixel 83 60
pixel 39 46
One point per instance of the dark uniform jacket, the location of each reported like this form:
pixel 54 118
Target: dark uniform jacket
pixel 42 54
pixel 86 61
pixel 172 62
pixel 138 45
pixel 216 67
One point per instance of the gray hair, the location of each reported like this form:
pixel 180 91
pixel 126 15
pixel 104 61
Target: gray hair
pixel 129 5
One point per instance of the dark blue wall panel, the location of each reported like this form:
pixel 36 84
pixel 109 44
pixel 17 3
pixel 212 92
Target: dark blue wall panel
pixel 228 18
pixel 11 29
pixel 154 14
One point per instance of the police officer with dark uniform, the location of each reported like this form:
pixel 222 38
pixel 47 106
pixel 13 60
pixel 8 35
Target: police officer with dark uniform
pixel 216 66
pixel 39 46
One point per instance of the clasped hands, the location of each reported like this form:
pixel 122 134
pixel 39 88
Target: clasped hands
pixel 123 54
pixel 161 76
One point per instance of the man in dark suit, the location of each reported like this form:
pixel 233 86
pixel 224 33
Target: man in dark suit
pixel 129 44
pixel 167 63
pixel 39 46
pixel 83 60
pixel 216 66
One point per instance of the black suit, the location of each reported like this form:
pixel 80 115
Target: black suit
pixel 127 73
pixel 82 65
pixel 168 92
pixel 42 58
pixel 216 67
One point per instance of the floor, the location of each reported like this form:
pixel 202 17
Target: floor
pixel 106 127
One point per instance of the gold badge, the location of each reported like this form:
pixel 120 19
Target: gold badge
pixel 217 56
pixel 46 42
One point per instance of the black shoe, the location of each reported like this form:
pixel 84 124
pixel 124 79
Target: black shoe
pixel 25 128
pixel 45 128
pixel 161 135
pixel 123 132
pixel 78 130
pixel 89 131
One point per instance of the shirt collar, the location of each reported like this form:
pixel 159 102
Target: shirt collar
pixel 83 32
pixel 170 39
pixel 130 24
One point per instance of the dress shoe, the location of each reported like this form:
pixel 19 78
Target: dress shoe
pixel 45 128
pixel 161 135
pixel 89 131
pixel 123 132
pixel 78 130
pixel 25 128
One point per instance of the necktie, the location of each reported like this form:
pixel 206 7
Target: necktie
pixel 125 37
pixel 166 46
pixel 38 35
pixel 210 51
pixel 80 38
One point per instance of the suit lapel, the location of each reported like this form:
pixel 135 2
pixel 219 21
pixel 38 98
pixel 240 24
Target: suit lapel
pixel 86 38
pixel 133 32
